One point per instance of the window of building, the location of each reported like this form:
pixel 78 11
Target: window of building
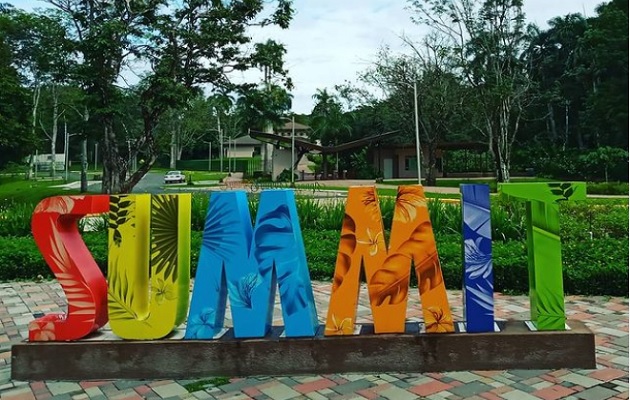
pixel 410 163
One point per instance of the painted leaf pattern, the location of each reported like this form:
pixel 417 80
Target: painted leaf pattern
pixel 437 321
pixel 242 291
pixel 164 235
pixel 292 291
pixel 408 199
pixel 222 230
pixel 202 325
pixel 478 262
pixel 57 204
pixel 341 326
pixel 347 246
pixel 269 232
pixel 41 331
pixel 390 284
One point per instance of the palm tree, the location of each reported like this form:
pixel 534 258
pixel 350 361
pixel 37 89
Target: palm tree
pixel 330 124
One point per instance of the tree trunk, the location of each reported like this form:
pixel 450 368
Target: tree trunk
pixel 553 132
pixel 173 163
pixel 33 160
pixel 84 165
pixel 84 159
pixel 53 138
pixel 430 172
pixel 111 161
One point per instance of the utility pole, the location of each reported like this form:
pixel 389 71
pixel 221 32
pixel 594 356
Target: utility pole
pixel 66 147
pixel 220 141
pixel 209 156
pixel 292 150
pixel 418 151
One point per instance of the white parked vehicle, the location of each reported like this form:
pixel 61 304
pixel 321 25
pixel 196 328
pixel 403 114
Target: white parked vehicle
pixel 174 177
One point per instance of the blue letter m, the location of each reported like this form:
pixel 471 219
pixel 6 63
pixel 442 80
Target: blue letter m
pixel 245 264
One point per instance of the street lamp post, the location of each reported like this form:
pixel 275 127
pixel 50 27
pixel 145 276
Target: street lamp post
pixel 220 142
pixel 209 156
pixel 293 150
pixel 418 152
pixel 66 146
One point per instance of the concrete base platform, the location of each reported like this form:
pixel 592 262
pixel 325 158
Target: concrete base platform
pixel 515 347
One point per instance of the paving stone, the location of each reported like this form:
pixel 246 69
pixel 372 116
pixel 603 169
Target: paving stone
pixel 353 386
pixel 122 385
pixel 523 387
pixel 234 386
pixel 171 389
pixel 280 391
pixel 470 389
pixel 528 373
pixel 464 376
pixel 396 393
pixel 57 388
pixel 315 396
pixel 581 380
pixel 17 392
pixel 596 393
pixel 518 395
pixel 202 395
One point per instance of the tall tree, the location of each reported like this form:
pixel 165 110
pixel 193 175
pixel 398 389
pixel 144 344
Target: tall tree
pixel 186 45
pixel 15 137
pixel 440 92
pixel 330 124
pixel 487 41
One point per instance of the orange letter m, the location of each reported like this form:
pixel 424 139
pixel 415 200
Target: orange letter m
pixel 387 270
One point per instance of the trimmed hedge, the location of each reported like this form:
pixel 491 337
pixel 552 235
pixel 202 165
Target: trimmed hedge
pixel 591 267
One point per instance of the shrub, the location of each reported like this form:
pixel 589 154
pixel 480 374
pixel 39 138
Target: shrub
pixel 15 218
pixel 608 188
pixel 581 221
pixel 590 267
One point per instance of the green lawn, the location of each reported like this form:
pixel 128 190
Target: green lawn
pixel 17 189
pixel 447 182
pixel 381 191
pixel 206 176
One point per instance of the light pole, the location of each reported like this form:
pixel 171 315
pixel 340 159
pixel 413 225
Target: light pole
pixel 209 155
pixel 95 156
pixel 418 152
pixel 220 141
pixel 66 145
pixel 292 150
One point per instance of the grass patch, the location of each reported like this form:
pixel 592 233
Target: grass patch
pixel 203 384
pixel 19 190
pixel 387 192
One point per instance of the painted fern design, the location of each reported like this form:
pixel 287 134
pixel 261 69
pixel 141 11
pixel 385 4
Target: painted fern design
pixel 482 298
pixel 268 236
pixel 478 261
pixel 119 294
pixel 564 190
pixel 80 301
pixel 119 214
pixel 164 234
pixel 241 292
pixel 222 230
pixel 292 292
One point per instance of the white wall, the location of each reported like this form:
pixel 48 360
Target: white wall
pixel 281 161
pixel 240 151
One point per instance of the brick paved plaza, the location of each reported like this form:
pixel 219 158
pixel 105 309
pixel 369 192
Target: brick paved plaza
pixel 607 317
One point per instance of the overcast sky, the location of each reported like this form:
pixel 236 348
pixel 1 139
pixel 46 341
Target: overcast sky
pixel 331 41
